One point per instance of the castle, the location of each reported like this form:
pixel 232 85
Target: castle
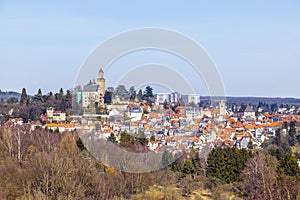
pixel 94 91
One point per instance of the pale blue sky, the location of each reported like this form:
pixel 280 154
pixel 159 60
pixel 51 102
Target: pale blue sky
pixel 255 44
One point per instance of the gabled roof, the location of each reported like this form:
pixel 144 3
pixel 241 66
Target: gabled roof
pixel 247 108
pixel 90 88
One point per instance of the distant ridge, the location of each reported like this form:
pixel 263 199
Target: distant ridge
pixel 5 95
pixel 253 100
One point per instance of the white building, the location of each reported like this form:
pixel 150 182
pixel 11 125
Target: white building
pixel 162 97
pixel 135 113
pixel 194 98
pixel 191 113
pixel 93 92
pixel 222 108
pixel 59 116
pixel 55 115
pixel 174 97
pixel 89 94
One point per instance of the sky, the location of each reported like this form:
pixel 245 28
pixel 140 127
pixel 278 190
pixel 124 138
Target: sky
pixel 255 45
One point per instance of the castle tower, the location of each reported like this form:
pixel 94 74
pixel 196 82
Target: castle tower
pixel 101 85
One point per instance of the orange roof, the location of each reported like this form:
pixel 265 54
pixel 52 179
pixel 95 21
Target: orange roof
pixel 225 137
pixel 250 127
pixel 51 125
pixel 146 125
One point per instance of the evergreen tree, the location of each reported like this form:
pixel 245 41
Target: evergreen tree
pixel 250 145
pixel 141 137
pixel 108 97
pixel 277 139
pixel 140 93
pixel 68 99
pixel 110 89
pixel 24 97
pixel 188 168
pixel 12 100
pixel 292 134
pixel 288 165
pixel 274 107
pixel 39 94
pixel 121 92
pixel 80 144
pixel 152 138
pixel 38 97
pixel 112 138
pixel 148 92
pixel 60 94
pixel 126 139
pixel 132 93
pixel 226 164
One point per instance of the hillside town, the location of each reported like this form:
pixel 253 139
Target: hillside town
pixel 150 100
pixel 167 119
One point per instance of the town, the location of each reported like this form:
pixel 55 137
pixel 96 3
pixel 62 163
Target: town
pixel 170 120
pixel 151 100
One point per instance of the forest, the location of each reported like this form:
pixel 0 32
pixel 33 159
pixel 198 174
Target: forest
pixel 39 164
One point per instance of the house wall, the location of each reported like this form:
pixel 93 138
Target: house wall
pixel 88 98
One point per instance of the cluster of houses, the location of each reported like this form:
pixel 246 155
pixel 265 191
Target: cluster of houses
pixel 54 120
pixel 189 126
pixel 170 120
pixel 176 127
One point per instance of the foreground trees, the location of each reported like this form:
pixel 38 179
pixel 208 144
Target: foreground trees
pixel 57 166
pixel 226 164
pixel 259 177
pixel 265 177
pixel 38 164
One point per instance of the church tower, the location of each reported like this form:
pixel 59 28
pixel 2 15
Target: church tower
pixel 222 108
pixel 101 85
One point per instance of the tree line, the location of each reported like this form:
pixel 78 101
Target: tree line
pixel 31 107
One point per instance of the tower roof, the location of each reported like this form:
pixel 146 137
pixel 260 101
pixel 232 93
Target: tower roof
pixel 101 70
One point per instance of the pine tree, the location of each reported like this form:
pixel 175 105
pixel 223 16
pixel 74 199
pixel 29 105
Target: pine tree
pixel 188 168
pixel 132 93
pixel 277 139
pixel 24 97
pixel 148 92
pixel 288 165
pixel 140 93
pixel 152 138
pixel 121 92
pixel 226 164
pixel 292 134
pixel 39 94
pixel 112 138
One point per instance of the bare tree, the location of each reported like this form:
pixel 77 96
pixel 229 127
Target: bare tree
pixel 259 177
